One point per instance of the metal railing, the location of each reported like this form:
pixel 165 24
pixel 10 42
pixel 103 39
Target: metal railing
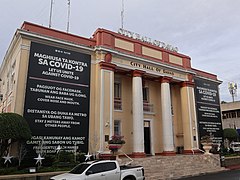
pixel 117 104
pixel 147 107
pixel 203 152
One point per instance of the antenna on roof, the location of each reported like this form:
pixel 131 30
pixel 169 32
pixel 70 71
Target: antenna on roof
pixel 232 87
pixel 68 16
pixel 50 16
pixel 122 14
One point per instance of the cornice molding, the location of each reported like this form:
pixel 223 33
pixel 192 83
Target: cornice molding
pixel 107 66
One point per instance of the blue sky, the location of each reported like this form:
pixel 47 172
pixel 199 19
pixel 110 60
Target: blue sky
pixel 206 30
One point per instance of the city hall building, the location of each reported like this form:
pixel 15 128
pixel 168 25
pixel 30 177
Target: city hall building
pixel 79 92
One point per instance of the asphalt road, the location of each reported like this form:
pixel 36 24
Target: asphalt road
pixel 226 175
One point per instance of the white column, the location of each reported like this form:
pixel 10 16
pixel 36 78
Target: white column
pixel 106 102
pixel 188 116
pixel 167 129
pixel 101 125
pixel 195 145
pixel 138 128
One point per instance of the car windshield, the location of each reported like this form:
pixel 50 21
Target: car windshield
pixel 235 145
pixel 79 168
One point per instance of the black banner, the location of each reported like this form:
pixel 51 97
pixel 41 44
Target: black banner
pixel 208 109
pixel 57 98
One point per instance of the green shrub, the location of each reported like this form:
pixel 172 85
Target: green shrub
pixel 14 163
pixel 80 157
pixel 4 171
pixel 12 126
pixel 29 160
pixel 49 160
pixel 54 168
pixel 65 156
pixel 230 134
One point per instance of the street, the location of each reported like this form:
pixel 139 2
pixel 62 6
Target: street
pixel 227 175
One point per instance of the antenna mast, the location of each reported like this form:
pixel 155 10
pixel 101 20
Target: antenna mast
pixel 122 14
pixel 232 87
pixel 50 16
pixel 68 16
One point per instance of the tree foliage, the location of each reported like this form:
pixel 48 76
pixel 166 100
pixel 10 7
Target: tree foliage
pixel 13 128
pixel 230 134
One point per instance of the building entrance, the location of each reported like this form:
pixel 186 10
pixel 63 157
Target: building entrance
pixel 147 139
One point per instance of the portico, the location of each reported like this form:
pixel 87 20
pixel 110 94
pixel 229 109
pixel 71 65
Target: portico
pixel 165 99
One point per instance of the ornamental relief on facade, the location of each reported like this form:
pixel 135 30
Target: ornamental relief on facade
pixel 150 68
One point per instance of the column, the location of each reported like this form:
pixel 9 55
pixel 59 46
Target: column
pixel 138 128
pixel 106 102
pixel 189 117
pixel 167 122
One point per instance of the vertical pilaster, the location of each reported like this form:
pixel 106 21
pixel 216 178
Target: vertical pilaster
pixel 138 128
pixel 188 117
pixel 106 102
pixel 167 130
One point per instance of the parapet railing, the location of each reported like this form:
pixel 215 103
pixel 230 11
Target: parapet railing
pixel 204 152
pixel 131 160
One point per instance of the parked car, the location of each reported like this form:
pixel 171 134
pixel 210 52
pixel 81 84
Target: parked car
pixel 235 146
pixel 102 170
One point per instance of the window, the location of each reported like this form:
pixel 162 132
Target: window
pixel 79 168
pixel 146 94
pixel 117 127
pixel 172 110
pixel 117 96
pixel 109 166
pixel 117 90
pixel 97 168
pixel 8 86
pixel 102 167
pixel 147 107
pixel 233 114
pixel 227 115
pixel 171 95
pixel 224 116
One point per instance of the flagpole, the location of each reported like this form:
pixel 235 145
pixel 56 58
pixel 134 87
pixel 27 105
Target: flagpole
pixel 50 16
pixel 68 16
pixel 122 14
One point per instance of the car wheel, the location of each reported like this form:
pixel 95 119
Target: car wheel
pixel 128 178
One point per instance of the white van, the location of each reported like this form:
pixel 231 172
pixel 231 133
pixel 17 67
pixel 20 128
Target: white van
pixel 235 146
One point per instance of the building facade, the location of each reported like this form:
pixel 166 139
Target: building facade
pixel 111 83
pixel 230 114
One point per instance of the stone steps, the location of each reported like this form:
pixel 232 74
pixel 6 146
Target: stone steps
pixel 172 167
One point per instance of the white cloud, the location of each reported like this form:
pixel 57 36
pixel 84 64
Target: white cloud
pixel 207 31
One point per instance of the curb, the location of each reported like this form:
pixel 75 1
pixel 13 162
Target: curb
pixel 233 167
pixel 201 174
pixel 23 176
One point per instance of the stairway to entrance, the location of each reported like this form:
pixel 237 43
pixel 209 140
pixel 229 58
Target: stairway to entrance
pixel 174 167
